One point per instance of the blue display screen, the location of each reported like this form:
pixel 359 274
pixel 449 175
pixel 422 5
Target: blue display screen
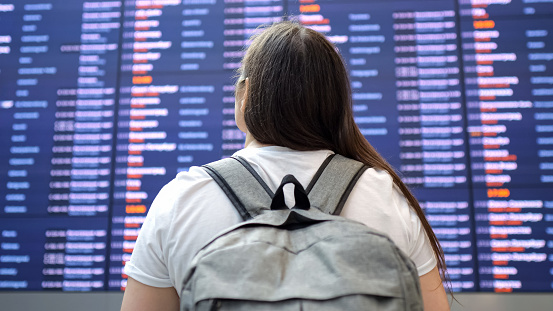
pixel 104 102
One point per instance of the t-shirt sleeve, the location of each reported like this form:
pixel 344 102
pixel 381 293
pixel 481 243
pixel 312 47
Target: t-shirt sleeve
pixel 147 263
pixel 379 204
pixel 422 252
pixel 420 249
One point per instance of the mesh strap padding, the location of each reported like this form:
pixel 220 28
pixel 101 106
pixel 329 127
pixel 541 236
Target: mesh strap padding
pixel 248 193
pixel 333 186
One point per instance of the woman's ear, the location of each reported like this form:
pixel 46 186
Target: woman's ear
pixel 244 100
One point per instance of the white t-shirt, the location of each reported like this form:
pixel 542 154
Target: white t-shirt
pixel 191 209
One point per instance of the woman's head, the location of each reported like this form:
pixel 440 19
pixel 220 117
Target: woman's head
pixel 298 92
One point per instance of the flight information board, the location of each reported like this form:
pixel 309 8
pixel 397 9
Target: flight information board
pixel 104 102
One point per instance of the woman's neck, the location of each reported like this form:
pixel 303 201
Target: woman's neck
pixel 252 142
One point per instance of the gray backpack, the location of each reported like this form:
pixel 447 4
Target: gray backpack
pixel 303 258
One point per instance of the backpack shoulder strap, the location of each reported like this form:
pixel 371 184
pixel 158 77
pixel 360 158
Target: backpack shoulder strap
pixel 249 194
pixel 333 182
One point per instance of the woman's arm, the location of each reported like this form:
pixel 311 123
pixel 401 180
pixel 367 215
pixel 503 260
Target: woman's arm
pixel 141 297
pixel 433 293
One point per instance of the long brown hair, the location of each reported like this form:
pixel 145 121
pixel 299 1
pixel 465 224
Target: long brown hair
pixel 299 97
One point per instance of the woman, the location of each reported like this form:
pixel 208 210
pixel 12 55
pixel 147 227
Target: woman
pixel 293 101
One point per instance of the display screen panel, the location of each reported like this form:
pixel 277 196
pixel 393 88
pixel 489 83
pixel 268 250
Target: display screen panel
pixel 104 102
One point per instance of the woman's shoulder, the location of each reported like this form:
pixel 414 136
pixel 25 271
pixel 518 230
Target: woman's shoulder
pixel 194 174
pixel 186 184
pixel 192 202
pixel 378 203
pixel 185 181
pixel 377 175
pixel 376 187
